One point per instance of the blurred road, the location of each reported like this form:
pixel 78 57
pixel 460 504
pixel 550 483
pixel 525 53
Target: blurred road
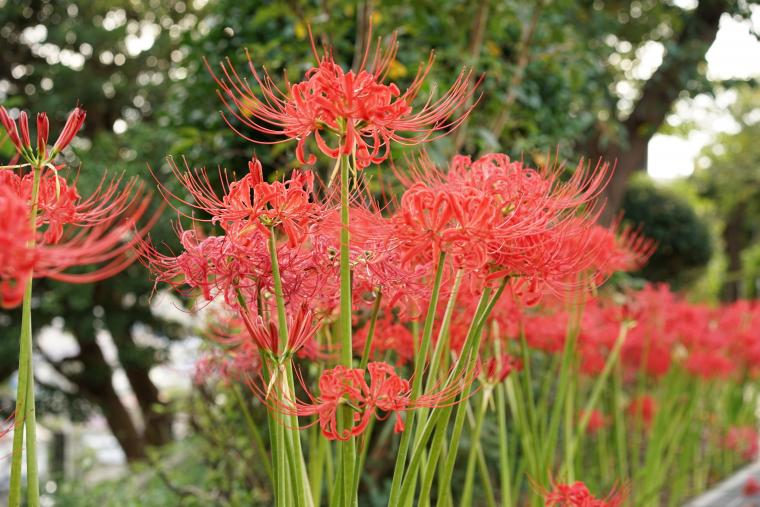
pixel 740 490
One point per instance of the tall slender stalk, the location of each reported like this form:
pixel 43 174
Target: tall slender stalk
pixel 25 410
pixel 419 363
pixel 469 480
pixel 596 391
pixel 505 469
pixel 293 439
pixel 347 448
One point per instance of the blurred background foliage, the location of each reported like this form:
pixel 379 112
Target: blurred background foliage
pixel 564 76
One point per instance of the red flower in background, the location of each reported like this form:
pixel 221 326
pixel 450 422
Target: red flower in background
pixel 346 112
pixel 596 421
pixel 578 495
pixel 497 369
pixel 751 487
pixel 742 440
pixel 620 249
pixel 643 408
pixel 390 336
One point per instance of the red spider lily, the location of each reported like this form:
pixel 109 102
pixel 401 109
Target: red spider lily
pixel 357 108
pixel 643 408
pixel 20 137
pixel 445 219
pixel 269 205
pixel 390 336
pixel 498 218
pixel 300 326
pixel 239 262
pixel 623 249
pixel 497 369
pixel 231 266
pixel 99 230
pixel 578 495
pixel 73 125
pixel 375 257
pixel 596 421
pixel 742 440
pixel 17 259
pixel 386 392
pixel 751 487
pixel 250 203
pixel 236 364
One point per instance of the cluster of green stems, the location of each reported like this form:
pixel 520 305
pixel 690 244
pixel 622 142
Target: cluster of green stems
pixel 25 420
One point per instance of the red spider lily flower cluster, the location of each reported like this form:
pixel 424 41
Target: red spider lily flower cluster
pixel 743 440
pixel 237 264
pixel 68 230
pixel 596 420
pixel 751 487
pixel 390 336
pixel 643 408
pixel 385 394
pixel 497 217
pixel 16 258
pixel 707 342
pixel 577 494
pixel 497 369
pixel 346 112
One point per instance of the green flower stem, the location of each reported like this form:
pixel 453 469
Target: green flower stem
pixel 293 438
pixel 618 423
pixel 25 417
pixel 419 363
pixel 466 500
pixel 466 364
pixel 596 391
pixel 438 420
pixel 569 427
pixel 371 330
pixel 485 477
pixel 317 452
pixel 551 436
pixel 505 475
pixel 347 448
pixel 442 344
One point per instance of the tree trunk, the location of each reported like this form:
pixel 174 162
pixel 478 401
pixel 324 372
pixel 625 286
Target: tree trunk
pixel 735 240
pixel 158 421
pixel 680 65
pixel 94 381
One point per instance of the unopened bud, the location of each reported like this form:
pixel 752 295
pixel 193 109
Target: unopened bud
pixel 10 127
pixel 23 125
pixel 43 128
pixel 73 126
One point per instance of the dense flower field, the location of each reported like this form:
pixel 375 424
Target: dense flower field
pixel 476 299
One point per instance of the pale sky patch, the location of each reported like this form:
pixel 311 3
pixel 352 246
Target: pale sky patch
pixel 735 54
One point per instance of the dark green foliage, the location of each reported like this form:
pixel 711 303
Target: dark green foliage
pixel 683 239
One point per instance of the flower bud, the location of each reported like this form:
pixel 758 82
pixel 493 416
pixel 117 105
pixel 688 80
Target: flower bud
pixel 10 128
pixel 43 129
pixel 73 126
pixel 23 123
